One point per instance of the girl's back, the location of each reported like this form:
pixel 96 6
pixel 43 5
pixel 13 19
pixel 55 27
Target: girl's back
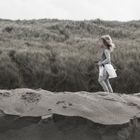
pixel 106 55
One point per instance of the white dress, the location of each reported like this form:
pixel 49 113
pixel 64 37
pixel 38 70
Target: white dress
pixel 107 68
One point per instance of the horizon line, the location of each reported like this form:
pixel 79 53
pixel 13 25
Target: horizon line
pixel 29 19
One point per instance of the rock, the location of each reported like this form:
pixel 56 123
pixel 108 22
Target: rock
pixel 28 114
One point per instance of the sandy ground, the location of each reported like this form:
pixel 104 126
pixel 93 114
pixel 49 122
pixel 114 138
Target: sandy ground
pixel 28 114
pixel 100 107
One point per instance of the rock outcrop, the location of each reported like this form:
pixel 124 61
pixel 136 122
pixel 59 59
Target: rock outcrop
pixel 28 114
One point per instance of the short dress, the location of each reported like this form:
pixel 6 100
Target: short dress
pixel 107 68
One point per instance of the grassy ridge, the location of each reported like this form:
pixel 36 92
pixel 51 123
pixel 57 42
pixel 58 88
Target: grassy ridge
pixel 60 55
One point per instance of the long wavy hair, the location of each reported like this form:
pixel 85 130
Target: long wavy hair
pixel 107 41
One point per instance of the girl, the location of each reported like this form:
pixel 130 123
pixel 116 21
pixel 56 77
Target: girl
pixel 106 70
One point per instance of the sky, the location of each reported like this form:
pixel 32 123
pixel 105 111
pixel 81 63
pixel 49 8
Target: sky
pixel 122 10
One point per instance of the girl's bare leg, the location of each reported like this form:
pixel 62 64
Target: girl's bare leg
pixel 109 85
pixel 102 82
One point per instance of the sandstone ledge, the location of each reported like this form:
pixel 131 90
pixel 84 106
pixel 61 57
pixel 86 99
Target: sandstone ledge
pixel 99 107
pixel 28 114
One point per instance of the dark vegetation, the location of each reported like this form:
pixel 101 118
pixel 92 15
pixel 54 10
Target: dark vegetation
pixel 60 55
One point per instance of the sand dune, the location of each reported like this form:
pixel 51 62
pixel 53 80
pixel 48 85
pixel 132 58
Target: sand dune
pixel 68 115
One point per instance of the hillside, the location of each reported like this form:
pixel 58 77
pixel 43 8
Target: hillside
pixel 28 114
pixel 59 55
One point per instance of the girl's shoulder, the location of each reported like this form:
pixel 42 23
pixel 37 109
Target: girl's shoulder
pixel 106 50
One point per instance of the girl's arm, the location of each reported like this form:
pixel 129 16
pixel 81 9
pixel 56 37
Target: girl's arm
pixel 108 58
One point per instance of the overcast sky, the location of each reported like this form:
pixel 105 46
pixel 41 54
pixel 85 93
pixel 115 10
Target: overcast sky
pixel 122 10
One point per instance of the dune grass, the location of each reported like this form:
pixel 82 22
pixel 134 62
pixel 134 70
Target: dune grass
pixel 60 55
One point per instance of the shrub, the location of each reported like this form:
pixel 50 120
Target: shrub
pixel 9 73
pixel 59 55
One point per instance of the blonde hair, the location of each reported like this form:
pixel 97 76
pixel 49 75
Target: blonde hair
pixel 108 42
